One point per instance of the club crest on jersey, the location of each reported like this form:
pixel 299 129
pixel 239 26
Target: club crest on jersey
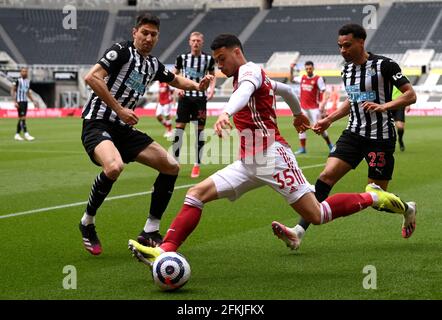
pixel 371 72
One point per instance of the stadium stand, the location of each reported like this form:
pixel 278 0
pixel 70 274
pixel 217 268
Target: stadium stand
pixel 296 29
pixel 435 41
pixel 172 23
pixel 4 47
pixel 406 27
pixel 41 38
pixel 217 21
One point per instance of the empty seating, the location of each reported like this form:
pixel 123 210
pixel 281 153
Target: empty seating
pixel 41 38
pixel 405 27
pixel 172 24
pixel 307 29
pixel 218 21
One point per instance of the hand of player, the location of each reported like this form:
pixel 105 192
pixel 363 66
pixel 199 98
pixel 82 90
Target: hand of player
pixel 321 125
pixel 223 122
pixel 407 109
pixel 128 116
pixel 36 104
pixel 371 106
pixel 301 123
pixel 210 95
pixel 16 105
pixel 180 93
pixel 205 82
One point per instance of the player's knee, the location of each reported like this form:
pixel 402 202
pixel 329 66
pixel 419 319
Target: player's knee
pixel 194 192
pixel 114 169
pixel 200 192
pixel 327 178
pixel 315 219
pixel 174 168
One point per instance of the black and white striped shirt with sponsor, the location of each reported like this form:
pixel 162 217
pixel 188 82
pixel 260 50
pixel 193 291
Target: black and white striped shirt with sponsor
pixel 129 73
pixel 22 87
pixel 195 68
pixel 372 81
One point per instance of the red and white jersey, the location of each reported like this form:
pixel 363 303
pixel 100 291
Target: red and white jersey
pixel 165 93
pixel 311 89
pixel 258 117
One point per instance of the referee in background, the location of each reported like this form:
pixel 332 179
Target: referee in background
pixel 20 93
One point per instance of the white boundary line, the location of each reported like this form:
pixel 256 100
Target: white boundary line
pixel 76 204
pixel 124 196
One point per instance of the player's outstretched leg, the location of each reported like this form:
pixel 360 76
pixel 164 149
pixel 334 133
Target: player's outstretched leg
pixel 345 204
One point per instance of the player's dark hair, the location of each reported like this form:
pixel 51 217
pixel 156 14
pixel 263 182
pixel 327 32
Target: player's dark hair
pixel 355 29
pixel 226 40
pixel 147 18
pixel 309 63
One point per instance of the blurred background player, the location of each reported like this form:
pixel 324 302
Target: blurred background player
pixel 192 105
pixel 334 99
pixel 20 92
pixel 166 100
pixel 399 119
pixel 313 100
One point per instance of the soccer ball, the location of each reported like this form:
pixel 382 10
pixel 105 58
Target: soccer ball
pixel 170 271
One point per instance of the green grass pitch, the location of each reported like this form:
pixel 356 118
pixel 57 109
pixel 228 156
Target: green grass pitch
pixel 233 252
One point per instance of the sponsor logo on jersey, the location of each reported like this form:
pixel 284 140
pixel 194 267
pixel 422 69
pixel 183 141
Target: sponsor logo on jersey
pixel 135 82
pixel 355 95
pixel 193 73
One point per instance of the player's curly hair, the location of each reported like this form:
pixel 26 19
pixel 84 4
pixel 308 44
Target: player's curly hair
pixel 352 28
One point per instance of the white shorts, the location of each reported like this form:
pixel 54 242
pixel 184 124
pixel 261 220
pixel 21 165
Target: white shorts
pixel 281 172
pixel 314 115
pixel 163 109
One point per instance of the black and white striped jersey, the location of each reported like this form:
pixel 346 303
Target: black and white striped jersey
pixel 195 68
pixel 22 87
pixel 372 81
pixel 129 74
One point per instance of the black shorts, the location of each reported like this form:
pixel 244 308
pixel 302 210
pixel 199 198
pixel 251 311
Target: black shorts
pixel 352 148
pixel 128 140
pixel 192 109
pixel 22 108
pixel 399 114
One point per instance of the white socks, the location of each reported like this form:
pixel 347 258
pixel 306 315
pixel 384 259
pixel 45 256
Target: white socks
pixel 87 219
pixel 299 231
pixel 152 224
pixel 375 198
